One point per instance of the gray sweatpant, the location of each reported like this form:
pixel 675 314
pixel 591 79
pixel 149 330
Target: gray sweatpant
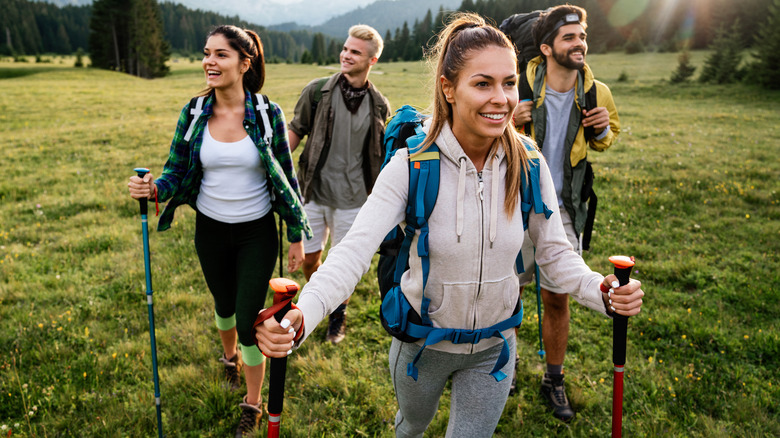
pixel 476 401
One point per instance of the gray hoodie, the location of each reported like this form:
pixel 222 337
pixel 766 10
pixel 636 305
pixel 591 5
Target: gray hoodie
pixel 472 281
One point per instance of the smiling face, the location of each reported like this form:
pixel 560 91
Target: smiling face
pixel 483 96
pixel 569 47
pixel 355 57
pixel 222 64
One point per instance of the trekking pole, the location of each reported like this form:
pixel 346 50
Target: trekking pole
pixel 284 291
pixel 539 306
pixel 142 171
pixel 623 267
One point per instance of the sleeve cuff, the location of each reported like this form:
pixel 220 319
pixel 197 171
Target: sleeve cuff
pixel 603 133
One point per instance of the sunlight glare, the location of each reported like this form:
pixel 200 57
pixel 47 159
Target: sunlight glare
pixel 624 12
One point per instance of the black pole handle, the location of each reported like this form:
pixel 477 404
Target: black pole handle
pixel 278 371
pixel 142 171
pixel 623 266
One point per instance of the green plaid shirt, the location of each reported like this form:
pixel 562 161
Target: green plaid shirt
pixel 182 174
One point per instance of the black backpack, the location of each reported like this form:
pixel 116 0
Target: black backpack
pixel 519 29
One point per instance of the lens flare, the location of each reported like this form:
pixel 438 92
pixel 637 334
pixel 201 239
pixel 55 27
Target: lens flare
pixel 624 12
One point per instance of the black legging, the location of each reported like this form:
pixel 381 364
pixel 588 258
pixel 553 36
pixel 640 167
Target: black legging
pixel 237 261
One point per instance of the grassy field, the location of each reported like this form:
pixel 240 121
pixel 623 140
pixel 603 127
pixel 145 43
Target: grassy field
pixel 690 189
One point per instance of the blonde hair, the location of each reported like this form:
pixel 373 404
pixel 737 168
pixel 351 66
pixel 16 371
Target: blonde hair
pixel 465 34
pixel 367 33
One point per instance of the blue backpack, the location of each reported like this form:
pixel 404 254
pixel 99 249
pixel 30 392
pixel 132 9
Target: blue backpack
pixel 398 317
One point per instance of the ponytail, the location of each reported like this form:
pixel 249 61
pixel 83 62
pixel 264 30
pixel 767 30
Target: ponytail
pixel 254 78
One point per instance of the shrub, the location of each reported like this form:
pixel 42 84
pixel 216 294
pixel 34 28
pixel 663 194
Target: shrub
pixel 684 68
pixel 634 43
pixel 79 58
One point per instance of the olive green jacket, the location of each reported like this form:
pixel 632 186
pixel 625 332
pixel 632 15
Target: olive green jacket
pixel 320 134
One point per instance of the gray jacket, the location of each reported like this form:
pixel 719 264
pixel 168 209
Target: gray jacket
pixel 473 245
pixel 318 144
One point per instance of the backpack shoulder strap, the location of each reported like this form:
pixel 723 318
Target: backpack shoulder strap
pixel 424 175
pixel 525 93
pixel 318 90
pixel 263 110
pixel 316 99
pixel 591 101
pixel 531 195
pixel 195 110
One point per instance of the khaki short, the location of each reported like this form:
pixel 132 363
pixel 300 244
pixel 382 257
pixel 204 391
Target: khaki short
pixel 325 221
pixel 528 257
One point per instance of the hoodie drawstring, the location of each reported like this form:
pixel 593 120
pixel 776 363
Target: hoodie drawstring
pixel 461 194
pixel 494 200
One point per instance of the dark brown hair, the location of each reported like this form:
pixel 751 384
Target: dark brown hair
pixel 545 30
pixel 248 45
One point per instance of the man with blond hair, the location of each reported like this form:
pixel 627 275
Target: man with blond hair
pixel 344 116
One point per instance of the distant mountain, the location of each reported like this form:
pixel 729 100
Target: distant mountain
pixel 268 12
pixel 383 15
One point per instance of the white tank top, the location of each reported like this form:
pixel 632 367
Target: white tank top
pixel 234 187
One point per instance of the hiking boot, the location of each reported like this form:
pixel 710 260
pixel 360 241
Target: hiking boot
pixel 337 325
pixel 555 393
pixel 232 370
pixel 251 416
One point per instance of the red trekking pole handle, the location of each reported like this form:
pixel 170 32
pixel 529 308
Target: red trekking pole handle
pixel 284 291
pixel 622 271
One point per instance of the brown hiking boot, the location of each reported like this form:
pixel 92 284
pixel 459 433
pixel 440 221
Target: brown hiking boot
pixel 251 417
pixel 337 325
pixel 232 370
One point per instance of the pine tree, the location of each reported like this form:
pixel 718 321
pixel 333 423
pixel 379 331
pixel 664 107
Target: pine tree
pixel 148 46
pixel 722 66
pixel 765 70
pixel 127 36
pixel 334 49
pixel 684 68
pixel 404 43
pixel 389 49
pixel 318 48
pixel 109 38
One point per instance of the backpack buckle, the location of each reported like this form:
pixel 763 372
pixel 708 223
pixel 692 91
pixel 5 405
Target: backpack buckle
pixel 466 336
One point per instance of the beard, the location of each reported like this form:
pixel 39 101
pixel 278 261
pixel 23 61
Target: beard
pixel 564 59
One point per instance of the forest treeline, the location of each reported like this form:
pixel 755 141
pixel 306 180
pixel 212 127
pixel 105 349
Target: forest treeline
pixel 28 27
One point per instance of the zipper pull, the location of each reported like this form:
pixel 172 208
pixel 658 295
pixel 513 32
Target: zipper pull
pixel 481 186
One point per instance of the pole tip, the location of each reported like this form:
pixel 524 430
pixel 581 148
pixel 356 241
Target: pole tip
pixel 621 261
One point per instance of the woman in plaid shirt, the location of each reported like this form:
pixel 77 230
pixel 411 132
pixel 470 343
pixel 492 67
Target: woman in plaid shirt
pixel 226 164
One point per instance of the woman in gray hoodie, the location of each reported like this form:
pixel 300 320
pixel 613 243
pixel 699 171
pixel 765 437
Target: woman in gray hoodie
pixel 476 232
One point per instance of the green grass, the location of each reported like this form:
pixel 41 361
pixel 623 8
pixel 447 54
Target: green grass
pixel 690 189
